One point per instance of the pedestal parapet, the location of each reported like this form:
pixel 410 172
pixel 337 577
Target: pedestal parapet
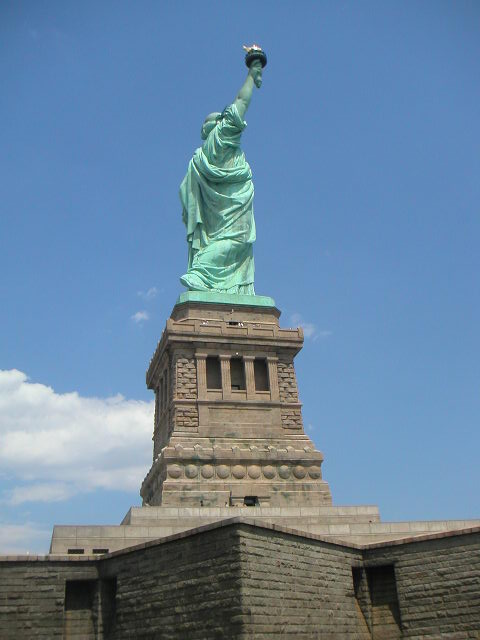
pixel 228 426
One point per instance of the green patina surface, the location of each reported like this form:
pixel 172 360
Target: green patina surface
pixel 215 297
pixel 217 202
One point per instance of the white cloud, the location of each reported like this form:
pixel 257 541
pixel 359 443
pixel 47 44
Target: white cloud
pixel 23 538
pixel 42 492
pixel 150 294
pixel 324 334
pixel 54 446
pixel 309 329
pixel 140 316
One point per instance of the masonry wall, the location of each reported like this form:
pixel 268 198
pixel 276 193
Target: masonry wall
pixel 189 588
pixel 287 381
pixel 32 596
pixel 295 587
pixel 438 585
pixel 244 581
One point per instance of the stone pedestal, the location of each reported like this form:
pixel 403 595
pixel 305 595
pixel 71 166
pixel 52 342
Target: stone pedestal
pixel 228 424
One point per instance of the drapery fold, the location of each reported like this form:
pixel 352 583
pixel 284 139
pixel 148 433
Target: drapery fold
pixel 217 210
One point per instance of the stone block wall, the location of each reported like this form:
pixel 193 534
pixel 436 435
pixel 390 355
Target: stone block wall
pixel 287 381
pixel 189 588
pixel 288 390
pixel 162 418
pixel 185 376
pixel 186 419
pixel 292 418
pixel 239 580
pixel 32 598
pixel 438 584
pixel 294 587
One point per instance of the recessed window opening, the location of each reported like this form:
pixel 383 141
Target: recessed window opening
pixel 164 392
pixel 237 374
pixel 99 551
pixel 357 575
pixel 214 375
pixel 79 594
pixel 383 595
pixel 376 601
pixel 250 501
pixel 108 595
pixel 233 323
pixel 76 551
pixel 260 370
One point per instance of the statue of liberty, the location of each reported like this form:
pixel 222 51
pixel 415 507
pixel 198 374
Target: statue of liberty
pixel 217 198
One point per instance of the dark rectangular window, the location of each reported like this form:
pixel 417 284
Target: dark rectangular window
pixel 80 602
pixel 384 601
pixel 214 375
pixel 108 599
pixel 79 594
pixel 99 551
pixel 76 551
pixel 237 374
pixel 260 370
pixel 166 389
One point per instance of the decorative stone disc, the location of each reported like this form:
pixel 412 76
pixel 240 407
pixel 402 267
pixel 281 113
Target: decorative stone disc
pixel 223 471
pixel 269 471
pixel 315 472
pixel 174 471
pixel 284 471
pixel 254 471
pixel 238 471
pixel 299 471
pixel 191 471
pixel 207 471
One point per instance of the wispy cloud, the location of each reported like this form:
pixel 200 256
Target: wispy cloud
pixel 23 538
pixel 310 330
pixel 324 333
pixel 54 446
pixel 150 294
pixel 42 492
pixel 140 316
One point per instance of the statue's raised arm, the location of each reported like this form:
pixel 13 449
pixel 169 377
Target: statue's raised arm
pixel 217 197
pixel 254 77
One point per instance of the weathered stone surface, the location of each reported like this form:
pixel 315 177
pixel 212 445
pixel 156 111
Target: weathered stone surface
pixel 216 445
pixel 247 579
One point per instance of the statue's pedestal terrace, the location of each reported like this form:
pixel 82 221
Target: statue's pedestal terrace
pixel 228 436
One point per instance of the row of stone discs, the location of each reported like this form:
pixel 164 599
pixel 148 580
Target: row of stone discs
pixel 239 471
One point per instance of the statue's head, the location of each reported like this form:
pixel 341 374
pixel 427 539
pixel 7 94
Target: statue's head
pixel 210 123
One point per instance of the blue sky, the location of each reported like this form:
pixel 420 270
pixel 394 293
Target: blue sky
pixel 364 143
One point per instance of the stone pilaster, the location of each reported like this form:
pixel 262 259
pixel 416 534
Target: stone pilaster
pixel 201 359
pixel 249 376
pixel 226 380
pixel 273 378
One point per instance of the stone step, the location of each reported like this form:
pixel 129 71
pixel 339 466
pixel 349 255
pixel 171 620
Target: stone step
pixel 146 515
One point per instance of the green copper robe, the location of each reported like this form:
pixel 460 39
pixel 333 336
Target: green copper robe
pixel 217 201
